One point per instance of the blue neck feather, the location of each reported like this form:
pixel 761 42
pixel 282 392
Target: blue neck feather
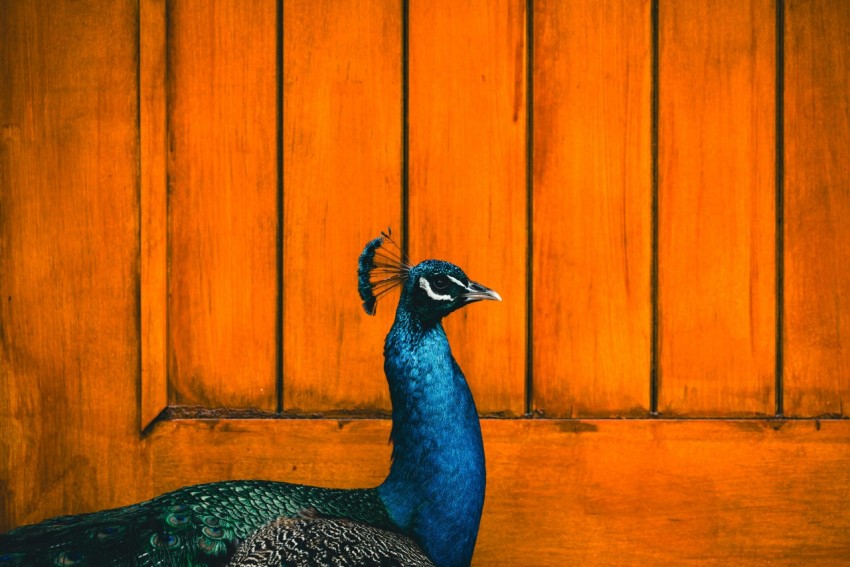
pixel 435 489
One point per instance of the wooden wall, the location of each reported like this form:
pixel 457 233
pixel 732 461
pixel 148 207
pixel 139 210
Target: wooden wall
pixel 658 189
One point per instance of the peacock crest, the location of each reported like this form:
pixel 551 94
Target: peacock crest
pixel 383 265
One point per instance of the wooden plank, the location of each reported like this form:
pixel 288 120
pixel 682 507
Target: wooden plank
pixel 69 256
pixel 604 492
pixel 467 200
pixel 342 155
pixel 222 203
pixel 154 208
pixel 716 207
pixel 592 208
pixel 817 206
pixel 666 493
pixel 334 453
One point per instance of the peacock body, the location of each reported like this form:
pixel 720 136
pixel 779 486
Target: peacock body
pixel 195 525
pixel 426 512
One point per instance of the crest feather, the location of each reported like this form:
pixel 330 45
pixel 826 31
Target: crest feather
pixel 380 269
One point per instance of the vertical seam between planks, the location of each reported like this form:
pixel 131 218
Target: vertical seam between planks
pixel 279 350
pixel 779 173
pixel 169 346
pixel 405 128
pixel 140 351
pixel 529 207
pixel 654 372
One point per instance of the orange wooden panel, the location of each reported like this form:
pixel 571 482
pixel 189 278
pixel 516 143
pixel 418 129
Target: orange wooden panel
pixel 592 208
pixel 69 256
pixel 342 155
pixel 222 203
pixel 154 209
pixel 606 492
pixel 817 208
pixel 716 207
pixel 638 492
pixel 320 452
pixel 467 178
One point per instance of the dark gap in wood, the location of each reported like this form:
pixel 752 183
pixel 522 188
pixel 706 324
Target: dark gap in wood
pixel 279 233
pixel 529 207
pixel 405 128
pixel 169 346
pixel 779 173
pixel 200 412
pixel 654 371
pixel 148 429
pixel 173 413
pixel 140 353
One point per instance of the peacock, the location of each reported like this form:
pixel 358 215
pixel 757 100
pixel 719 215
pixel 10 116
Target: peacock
pixel 426 512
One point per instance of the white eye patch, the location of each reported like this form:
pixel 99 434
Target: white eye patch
pixel 423 283
pixel 457 281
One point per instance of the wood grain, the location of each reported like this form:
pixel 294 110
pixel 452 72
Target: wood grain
pixel 817 208
pixel 467 178
pixel 592 208
pixel 601 492
pixel 69 256
pixel 222 203
pixel 154 209
pixel 716 207
pixel 605 492
pixel 342 155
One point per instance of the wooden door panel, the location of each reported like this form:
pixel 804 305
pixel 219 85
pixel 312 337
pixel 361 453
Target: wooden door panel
pixel 68 260
pixel 467 199
pixel 342 453
pixel 817 208
pixel 293 155
pixel 659 492
pixel 222 203
pixel 341 187
pixel 716 196
pixel 592 209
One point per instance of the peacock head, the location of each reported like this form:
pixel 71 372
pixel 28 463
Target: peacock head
pixel 431 289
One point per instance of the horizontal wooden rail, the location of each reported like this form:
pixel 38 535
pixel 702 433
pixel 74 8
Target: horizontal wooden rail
pixel 595 492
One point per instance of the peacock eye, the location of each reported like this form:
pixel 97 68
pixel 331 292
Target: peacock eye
pixel 441 282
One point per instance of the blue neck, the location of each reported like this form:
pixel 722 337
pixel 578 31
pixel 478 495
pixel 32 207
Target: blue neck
pixel 435 489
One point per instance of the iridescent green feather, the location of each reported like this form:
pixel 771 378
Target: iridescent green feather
pixel 195 526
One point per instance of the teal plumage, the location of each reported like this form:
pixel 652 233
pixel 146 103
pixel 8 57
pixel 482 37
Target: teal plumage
pixel 426 512
pixel 196 525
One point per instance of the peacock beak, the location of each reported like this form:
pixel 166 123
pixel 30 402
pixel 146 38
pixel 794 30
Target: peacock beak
pixel 477 292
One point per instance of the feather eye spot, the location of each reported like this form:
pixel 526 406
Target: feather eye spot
pixel 213 532
pixel 106 533
pixel 214 547
pixel 177 520
pixel 211 521
pixel 68 558
pixel 165 541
